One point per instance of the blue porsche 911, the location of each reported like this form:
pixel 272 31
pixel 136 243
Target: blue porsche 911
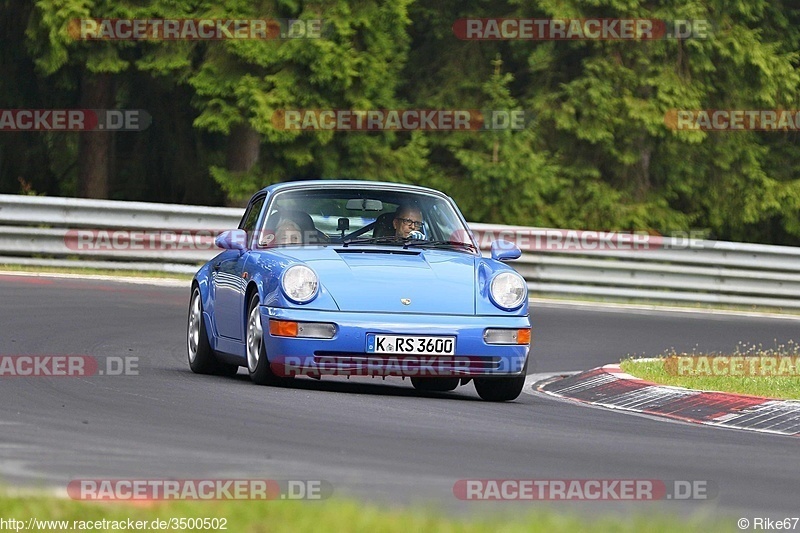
pixel 351 278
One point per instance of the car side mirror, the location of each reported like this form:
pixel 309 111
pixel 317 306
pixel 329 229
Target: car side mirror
pixel 503 250
pixel 233 239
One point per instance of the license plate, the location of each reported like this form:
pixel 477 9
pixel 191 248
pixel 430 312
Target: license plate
pixel 411 344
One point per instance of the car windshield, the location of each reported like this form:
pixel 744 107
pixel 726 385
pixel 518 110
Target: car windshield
pixel 363 216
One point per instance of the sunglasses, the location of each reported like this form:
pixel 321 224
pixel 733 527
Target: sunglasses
pixel 408 222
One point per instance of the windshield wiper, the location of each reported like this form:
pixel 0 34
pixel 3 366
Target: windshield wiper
pixel 406 242
pixel 373 240
pixel 442 244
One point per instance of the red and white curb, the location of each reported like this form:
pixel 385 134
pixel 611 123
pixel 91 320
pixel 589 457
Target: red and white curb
pixel 609 387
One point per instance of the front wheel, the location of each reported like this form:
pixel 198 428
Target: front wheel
pixel 257 362
pixel 435 384
pixel 500 389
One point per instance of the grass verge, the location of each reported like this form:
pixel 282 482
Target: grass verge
pixel 330 515
pixel 715 372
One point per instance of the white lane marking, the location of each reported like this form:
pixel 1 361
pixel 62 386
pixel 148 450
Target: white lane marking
pixel 161 282
pixel 644 309
pixel 54 492
pixel 611 307
pixel 641 309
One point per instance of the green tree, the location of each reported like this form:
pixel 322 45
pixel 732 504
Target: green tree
pixel 85 68
pixel 240 84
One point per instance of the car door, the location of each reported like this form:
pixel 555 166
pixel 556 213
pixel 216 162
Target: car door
pixel 228 279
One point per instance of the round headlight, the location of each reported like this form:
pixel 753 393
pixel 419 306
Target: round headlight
pixel 508 290
pixel 300 284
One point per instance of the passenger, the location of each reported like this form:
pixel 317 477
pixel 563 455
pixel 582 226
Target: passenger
pixel 288 232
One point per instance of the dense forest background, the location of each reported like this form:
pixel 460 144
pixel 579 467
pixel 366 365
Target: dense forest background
pixel 598 155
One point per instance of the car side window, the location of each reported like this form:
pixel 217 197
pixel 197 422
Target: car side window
pixel 251 216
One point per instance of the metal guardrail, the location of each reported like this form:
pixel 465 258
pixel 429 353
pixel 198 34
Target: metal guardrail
pixel 82 213
pixel 48 231
pixel 666 269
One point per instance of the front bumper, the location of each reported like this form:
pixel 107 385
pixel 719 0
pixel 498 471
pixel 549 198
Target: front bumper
pixel 346 353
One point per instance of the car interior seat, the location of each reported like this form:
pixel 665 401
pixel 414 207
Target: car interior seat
pixel 383 226
pixel 304 222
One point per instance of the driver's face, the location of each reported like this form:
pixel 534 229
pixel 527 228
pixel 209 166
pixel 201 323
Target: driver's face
pixel 406 222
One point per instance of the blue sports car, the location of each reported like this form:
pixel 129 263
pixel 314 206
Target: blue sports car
pixel 351 278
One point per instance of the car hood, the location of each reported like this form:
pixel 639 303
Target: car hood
pixel 393 280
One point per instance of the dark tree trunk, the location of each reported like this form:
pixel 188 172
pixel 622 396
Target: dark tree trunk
pixel 643 184
pixel 244 145
pixel 94 147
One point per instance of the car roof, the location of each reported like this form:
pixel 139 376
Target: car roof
pixel 383 185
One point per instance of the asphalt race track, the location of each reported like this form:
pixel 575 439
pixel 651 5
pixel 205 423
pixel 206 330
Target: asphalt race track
pixel 371 439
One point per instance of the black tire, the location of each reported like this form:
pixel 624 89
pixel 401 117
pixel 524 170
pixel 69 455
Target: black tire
pixel 258 366
pixel 435 384
pixel 202 359
pixel 500 389
pixel 227 370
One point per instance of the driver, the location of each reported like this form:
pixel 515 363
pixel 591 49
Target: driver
pixel 407 219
